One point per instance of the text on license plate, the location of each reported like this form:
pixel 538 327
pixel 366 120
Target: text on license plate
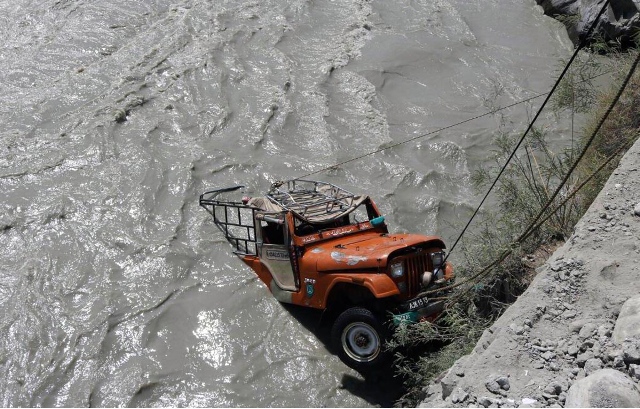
pixel 418 303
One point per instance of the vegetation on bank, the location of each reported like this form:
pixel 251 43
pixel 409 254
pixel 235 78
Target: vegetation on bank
pixel 426 350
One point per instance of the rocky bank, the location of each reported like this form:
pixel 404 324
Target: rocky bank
pixel 573 338
pixel 618 23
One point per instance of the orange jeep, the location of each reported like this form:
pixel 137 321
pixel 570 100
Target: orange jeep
pixel 316 245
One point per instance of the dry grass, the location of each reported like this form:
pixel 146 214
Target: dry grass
pixel 520 195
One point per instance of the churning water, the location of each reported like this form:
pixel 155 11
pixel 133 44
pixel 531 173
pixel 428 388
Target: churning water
pixel 115 287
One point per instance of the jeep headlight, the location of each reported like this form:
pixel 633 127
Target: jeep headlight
pixel 437 259
pixel 397 270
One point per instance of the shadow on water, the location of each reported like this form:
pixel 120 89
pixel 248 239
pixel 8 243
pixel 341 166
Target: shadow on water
pixel 380 387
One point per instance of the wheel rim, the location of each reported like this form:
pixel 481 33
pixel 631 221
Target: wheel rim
pixel 361 342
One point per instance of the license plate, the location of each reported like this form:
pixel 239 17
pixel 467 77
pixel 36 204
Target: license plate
pixel 406 318
pixel 417 303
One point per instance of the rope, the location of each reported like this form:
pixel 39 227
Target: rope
pixel 589 142
pixel 508 251
pixel 536 223
pixel 566 68
pixel 492 112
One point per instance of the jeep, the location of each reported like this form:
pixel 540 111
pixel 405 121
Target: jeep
pixel 316 245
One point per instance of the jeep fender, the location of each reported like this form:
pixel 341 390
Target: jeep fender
pixel 379 285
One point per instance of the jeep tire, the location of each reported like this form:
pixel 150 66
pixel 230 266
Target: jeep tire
pixel 358 338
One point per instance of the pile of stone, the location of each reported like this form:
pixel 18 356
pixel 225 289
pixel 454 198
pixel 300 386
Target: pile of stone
pixel 616 386
pixel 597 365
pixel 573 337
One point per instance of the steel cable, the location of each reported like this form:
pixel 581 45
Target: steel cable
pixel 536 223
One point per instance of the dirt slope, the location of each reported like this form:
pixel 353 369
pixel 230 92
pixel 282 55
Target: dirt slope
pixel 560 329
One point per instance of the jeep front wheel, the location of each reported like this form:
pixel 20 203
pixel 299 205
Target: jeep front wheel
pixel 357 337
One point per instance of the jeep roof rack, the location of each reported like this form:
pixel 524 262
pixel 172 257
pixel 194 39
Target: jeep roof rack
pixel 234 219
pixel 314 201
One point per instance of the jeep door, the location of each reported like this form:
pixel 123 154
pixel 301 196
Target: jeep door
pixel 274 248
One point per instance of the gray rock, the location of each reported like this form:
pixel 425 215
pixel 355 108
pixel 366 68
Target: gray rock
pixel 549 355
pixel 485 401
pixel 597 353
pixel 557 265
pixel 631 351
pixel 634 371
pixel 618 362
pixel 554 388
pixel 605 388
pixel 613 353
pixel 528 403
pixel 587 330
pixel 517 329
pixel 583 358
pixel 588 343
pixel 447 383
pixel 562 397
pixel 503 381
pixel 577 273
pixel 492 386
pixel 573 350
pixel 604 331
pixel 432 389
pixel 459 396
pixel 628 322
pixel 576 326
pixel 592 365
pixel 119 115
pixel 636 210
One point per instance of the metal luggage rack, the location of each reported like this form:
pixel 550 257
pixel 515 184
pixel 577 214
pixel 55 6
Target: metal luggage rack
pixel 310 198
pixel 234 219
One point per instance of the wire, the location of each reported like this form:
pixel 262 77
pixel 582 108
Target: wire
pixel 423 135
pixel 524 135
pixel 536 223
pixel 587 145
pixel 492 112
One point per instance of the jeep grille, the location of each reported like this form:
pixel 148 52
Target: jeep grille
pixel 414 265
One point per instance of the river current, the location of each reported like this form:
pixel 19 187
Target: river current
pixel 116 289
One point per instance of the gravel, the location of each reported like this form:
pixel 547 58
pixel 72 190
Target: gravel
pixel 570 312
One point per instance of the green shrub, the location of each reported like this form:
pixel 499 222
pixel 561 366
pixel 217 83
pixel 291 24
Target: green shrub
pixel 427 350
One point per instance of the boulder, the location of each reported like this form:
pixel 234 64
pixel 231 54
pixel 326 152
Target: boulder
pixel 628 322
pixel 631 350
pixel 592 365
pixel 616 23
pixel 606 388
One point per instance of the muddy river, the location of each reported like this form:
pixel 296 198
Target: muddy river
pixel 116 289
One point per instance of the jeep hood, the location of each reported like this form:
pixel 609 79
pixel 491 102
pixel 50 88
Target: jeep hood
pixel 369 252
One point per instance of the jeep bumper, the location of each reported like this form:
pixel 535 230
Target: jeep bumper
pixel 419 310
